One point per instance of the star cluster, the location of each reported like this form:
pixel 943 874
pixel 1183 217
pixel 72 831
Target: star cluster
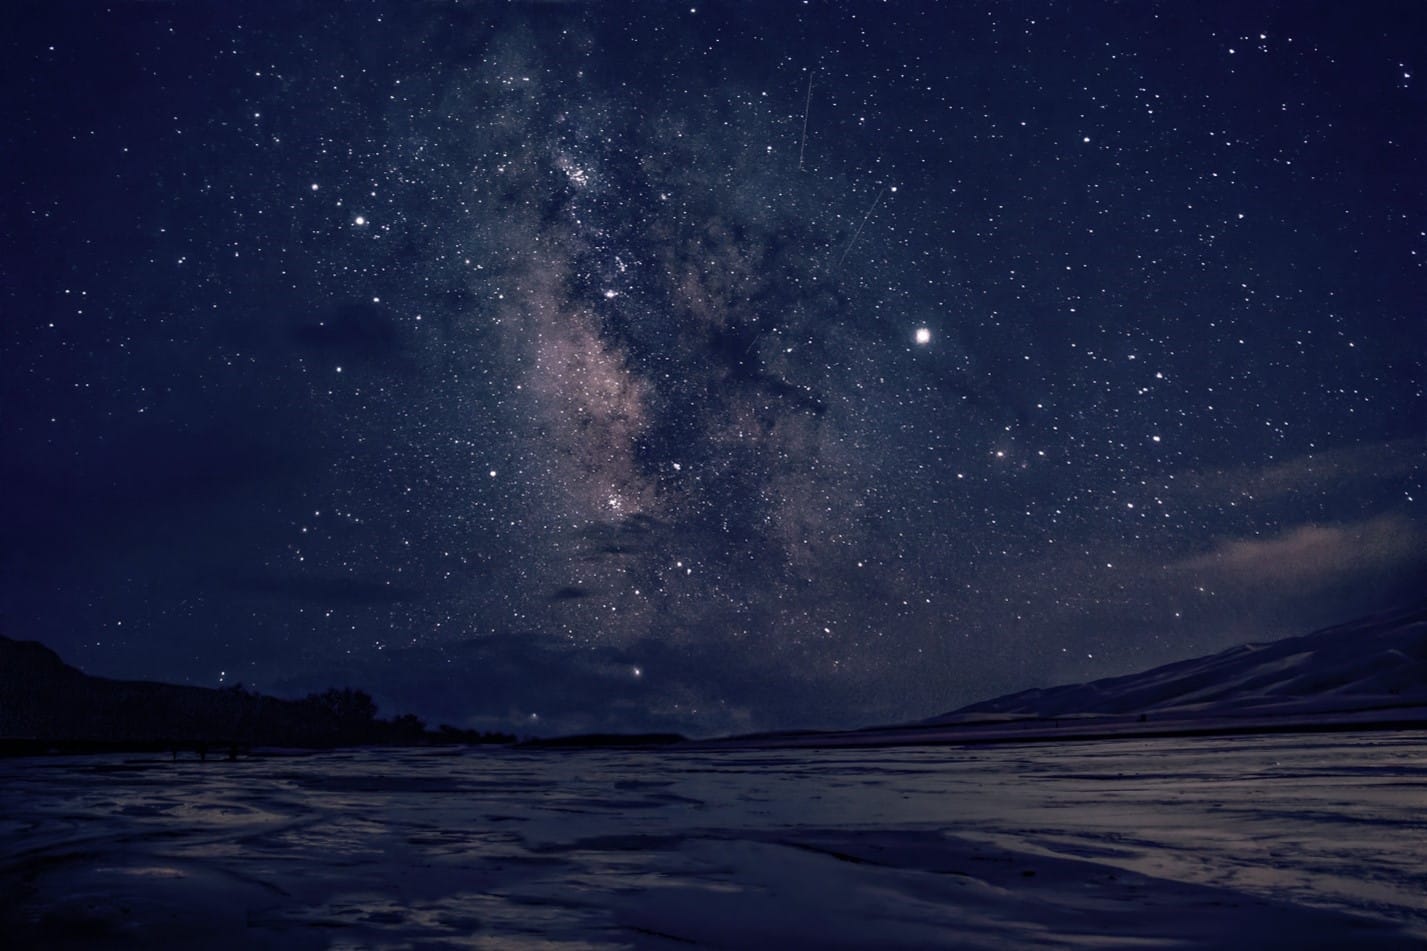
pixel 709 368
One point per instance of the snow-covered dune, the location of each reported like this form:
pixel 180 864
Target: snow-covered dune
pixel 1370 674
pixel 1376 663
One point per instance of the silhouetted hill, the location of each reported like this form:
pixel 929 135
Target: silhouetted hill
pixel 44 701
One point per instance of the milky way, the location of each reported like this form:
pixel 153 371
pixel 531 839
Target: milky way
pixel 574 367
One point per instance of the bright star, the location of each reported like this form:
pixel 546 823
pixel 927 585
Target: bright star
pixel 924 336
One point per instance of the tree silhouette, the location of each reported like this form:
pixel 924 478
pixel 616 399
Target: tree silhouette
pixel 353 710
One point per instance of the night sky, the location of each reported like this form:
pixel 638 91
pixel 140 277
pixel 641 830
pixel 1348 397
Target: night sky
pixel 710 366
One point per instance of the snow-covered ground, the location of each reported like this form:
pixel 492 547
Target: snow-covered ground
pixel 1253 842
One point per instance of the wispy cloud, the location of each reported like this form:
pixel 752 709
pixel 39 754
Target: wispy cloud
pixel 1314 473
pixel 1309 555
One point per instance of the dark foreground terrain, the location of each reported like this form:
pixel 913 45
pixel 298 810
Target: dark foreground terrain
pixel 1246 842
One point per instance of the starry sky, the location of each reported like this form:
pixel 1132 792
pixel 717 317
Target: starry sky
pixel 706 367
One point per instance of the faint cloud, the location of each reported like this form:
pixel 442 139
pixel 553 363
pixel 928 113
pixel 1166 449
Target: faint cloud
pixel 1317 473
pixel 1310 555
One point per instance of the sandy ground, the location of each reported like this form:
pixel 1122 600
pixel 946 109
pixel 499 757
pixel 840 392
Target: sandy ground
pixel 1252 842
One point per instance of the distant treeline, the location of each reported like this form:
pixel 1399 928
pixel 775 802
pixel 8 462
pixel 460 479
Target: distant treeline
pixel 45 701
